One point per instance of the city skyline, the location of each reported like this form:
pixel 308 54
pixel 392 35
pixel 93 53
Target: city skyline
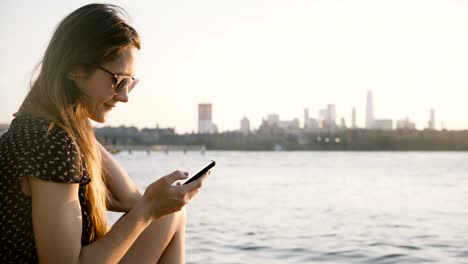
pixel 251 58
pixel 326 118
pixel 206 124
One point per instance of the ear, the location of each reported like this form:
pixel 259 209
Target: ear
pixel 76 73
pixel 72 76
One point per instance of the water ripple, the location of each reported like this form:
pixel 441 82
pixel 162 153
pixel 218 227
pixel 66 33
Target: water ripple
pixel 252 248
pixel 248 247
pixel 379 244
pixel 388 258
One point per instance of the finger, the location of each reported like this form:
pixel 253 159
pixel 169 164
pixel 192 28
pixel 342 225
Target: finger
pixel 176 175
pixel 177 182
pixel 197 184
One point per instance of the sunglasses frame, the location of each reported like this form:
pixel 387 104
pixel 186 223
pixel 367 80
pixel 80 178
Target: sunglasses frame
pixel 118 79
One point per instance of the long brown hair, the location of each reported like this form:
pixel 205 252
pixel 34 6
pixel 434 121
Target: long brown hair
pixel 91 35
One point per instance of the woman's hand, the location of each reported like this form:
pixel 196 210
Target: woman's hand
pixel 162 197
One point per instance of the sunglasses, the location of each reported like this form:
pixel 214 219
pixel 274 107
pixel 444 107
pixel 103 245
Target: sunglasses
pixel 121 82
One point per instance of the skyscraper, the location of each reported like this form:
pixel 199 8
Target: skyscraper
pixel 432 119
pixel 331 115
pixel 245 126
pixel 327 117
pixel 306 118
pixel 321 118
pixel 369 111
pixel 343 123
pixel 354 118
pixel 205 123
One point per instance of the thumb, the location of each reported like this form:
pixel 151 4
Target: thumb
pixel 176 175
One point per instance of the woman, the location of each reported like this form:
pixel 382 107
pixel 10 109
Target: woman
pixel 57 181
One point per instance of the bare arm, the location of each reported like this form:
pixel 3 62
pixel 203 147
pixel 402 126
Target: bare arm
pixel 123 192
pixel 57 225
pixel 57 220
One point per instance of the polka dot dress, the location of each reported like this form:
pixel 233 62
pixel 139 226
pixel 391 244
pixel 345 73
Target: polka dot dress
pixel 29 149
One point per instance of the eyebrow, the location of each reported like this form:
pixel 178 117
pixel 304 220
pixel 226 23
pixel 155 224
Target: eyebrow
pixel 124 73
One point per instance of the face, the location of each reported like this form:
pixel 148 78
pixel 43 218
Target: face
pixel 99 86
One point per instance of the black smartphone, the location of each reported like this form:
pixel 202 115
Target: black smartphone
pixel 200 173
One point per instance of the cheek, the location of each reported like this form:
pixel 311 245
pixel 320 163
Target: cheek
pixel 98 91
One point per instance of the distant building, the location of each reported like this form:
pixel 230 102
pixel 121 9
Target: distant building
pixel 290 125
pixel 327 117
pixel 343 123
pixel 383 124
pixel 205 122
pixel 272 119
pixel 405 124
pixel 321 118
pixel 354 126
pixel 159 131
pixel 245 126
pixel 431 124
pixel 273 123
pixel 331 115
pixel 369 111
pixel 312 125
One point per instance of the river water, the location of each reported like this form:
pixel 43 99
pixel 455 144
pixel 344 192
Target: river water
pixel 320 207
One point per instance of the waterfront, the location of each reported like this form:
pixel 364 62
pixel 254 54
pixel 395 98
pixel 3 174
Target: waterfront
pixel 327 207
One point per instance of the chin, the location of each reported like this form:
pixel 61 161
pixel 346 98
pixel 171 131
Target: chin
pixel 99 118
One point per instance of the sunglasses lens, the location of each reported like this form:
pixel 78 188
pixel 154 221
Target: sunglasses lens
pixel 132 85
pixel 122 85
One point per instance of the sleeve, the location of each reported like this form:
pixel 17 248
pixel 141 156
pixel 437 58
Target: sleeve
pixel 52 157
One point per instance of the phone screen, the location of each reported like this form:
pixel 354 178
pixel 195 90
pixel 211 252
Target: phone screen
pixel 201 172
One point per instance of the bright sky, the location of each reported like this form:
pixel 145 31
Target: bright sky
pixel 252 58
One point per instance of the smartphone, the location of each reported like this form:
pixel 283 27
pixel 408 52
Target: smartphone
pixel 200 173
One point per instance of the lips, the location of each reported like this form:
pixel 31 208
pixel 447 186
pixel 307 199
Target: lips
pixel 110 106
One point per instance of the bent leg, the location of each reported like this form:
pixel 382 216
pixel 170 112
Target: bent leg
pixel 162 241
pixel 175 251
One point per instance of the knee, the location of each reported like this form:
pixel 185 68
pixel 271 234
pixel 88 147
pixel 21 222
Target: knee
pixel 177 219
pixel 182 216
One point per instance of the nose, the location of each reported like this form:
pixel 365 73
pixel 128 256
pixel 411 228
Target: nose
pixel 122 96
